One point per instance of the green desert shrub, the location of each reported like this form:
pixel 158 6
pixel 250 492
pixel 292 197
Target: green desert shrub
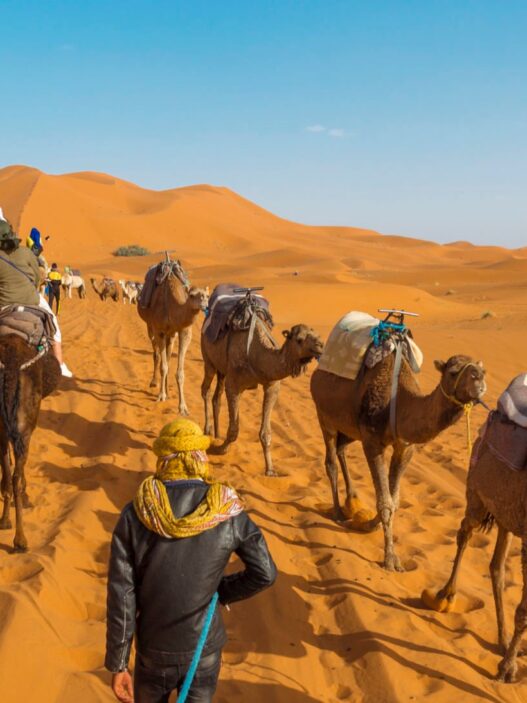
pixel 131 250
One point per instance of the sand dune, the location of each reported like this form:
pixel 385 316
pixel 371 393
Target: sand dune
pixel 335 627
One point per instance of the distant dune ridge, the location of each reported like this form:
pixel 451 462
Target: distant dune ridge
pixel 336 627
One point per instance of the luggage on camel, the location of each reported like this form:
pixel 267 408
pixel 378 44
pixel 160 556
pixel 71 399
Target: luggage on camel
pixel 505 431
pixel 232 307
pixel 30 322
pixel 157 274
pixel 359 338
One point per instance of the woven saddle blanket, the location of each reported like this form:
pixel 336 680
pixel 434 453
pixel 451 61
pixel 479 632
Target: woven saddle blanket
pixel 350 344
pixel 30 322
pixel 231 311
pixel 156 274
pixel 506 440
pixel 505 432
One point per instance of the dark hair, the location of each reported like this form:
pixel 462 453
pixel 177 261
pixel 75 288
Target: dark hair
pixel 53 266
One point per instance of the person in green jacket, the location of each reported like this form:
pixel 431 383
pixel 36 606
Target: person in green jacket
pixel 19 281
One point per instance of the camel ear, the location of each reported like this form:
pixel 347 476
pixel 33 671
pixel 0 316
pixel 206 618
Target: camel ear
pixel 207 290
pixel 286 334
pixel 480 364
pixel 440 365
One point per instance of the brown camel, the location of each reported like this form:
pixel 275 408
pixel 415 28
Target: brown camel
pixel 106 288
pixel 172 310
pixel 238 369
pixel 359 410
pixel 23 388
pixel 494 493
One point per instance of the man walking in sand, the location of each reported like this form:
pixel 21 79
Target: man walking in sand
pixel 169 552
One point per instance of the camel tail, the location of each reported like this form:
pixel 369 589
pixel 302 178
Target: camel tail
pixel 488 523
pixel 9 401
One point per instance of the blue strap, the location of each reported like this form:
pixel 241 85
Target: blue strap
pixel 189 678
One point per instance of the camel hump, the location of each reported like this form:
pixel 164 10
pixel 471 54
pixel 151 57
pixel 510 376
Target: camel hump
pixel 30 322
pixel 513 401
pixel 347 344
pixel 231 307
pixel 355 340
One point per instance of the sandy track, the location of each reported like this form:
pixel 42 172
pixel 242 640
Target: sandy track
pixel 335 626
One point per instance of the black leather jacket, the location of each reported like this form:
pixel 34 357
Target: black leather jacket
pixel 160 588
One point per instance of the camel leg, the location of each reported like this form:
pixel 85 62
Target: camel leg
pixel 20 542
pixel 208 377
pixel 271 392
pixel 169 344
pixel 216 402
pixel 385 507
pixel 508 666
pixel 185 337
pixel 342 443
pixel 330 440
pixel 233 402
pixel 468 525
pixel 497 574
pixel 162 350
pixel 6 486
pixel 156 357
pixel 402 453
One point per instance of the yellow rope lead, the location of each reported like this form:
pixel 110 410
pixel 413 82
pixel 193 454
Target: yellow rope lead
pixel 467 409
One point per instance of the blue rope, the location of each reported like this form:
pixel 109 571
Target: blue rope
pixel 189 677
pixel 384 330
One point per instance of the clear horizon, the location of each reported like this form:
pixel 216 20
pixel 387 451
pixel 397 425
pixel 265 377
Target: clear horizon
pixel 403 117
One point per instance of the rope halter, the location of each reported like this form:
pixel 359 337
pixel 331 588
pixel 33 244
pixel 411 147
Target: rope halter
pixel 466 407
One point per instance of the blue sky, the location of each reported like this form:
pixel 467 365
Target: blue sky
pixel 405 117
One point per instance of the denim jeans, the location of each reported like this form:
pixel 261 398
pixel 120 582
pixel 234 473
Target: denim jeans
pixel 153 684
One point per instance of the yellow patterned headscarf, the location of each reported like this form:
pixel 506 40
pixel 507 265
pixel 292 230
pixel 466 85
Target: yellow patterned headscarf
pixel 180 450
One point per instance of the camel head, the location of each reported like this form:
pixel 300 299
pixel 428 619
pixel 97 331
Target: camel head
pixel 303 345
pixel 198 298
pixel 462 378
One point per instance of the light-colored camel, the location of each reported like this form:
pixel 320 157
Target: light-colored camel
pixel 72 282
pixel 24 380
pixel 238 369
pixel 106 288
pixel 494 493
pixel 172 310
pixel 350 410
pixel 130 291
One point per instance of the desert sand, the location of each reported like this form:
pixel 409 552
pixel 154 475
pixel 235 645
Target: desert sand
pixel 335 627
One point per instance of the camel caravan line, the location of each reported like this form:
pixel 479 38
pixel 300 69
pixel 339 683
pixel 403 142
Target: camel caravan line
pixel 364 389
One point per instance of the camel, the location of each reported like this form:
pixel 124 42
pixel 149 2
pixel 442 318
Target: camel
pixel 350 410
pixel 172 309
pixel 239 368
pixel 495 493
pixel 130 291
pixel 106 288
pixel 72 282
pixel 25 378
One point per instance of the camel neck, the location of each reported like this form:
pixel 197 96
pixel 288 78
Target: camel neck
pixel 274 364
pixel 420 418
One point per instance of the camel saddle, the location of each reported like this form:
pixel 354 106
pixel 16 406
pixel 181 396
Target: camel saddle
pixel 30 322
pixel 233 311
pixel 505 431
pixel 359 338
pixel 156 275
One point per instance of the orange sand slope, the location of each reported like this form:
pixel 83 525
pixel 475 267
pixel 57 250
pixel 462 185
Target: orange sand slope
pixel 336 626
